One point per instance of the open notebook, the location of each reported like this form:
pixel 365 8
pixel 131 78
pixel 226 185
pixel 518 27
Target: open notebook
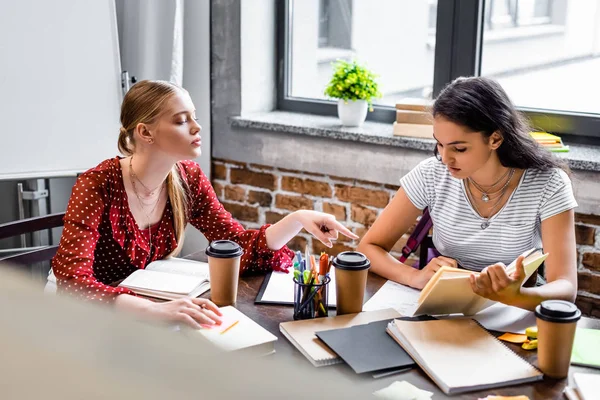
pixel 239 333
pixel 460 356
pixel 302 333
pixel 449 290
pixel 169 279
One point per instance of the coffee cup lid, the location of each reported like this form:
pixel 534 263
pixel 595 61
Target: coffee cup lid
pixel 224 249
pixel 557 311
pixel 351 260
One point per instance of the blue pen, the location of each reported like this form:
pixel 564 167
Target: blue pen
pixel 299 256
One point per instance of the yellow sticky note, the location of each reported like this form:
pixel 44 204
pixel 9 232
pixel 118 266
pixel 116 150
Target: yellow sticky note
pixel 513 338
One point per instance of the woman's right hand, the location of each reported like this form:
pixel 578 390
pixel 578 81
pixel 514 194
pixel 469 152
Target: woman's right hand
pixel 421 277
pixel 192 312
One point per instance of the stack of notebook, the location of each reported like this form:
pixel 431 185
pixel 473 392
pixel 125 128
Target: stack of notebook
pixel 550 142
pixel 413 118
pixel 302 333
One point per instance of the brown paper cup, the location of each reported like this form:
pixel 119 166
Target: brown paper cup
pixel 556 323
pixel 351 271
pixel 224 269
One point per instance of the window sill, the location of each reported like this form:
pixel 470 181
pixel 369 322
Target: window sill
pixel 580 157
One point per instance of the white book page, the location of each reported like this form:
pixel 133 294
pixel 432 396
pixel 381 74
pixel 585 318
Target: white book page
pixel 161 281
pixel 180 266
pixel 401 298
pixel 280 288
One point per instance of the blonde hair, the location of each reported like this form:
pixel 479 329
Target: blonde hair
pixel 143 103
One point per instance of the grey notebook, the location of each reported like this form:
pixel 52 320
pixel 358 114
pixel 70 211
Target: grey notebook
pixel 366 348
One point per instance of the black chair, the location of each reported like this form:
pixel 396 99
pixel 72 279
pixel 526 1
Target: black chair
pixel 29 225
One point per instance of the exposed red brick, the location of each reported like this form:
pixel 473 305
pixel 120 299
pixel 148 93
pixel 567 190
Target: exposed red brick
pixel 305 186
pixel 235 193
pixel 585 234
pixel 591 261
pixel 297 243
pixel 586 304
pixel 336 210
pixel 251 178
pixel 218 189
pixel 588 282
pixel 272 217
pixel 293 203
pixel 358 195
pixel 264 199
pixel 219 171
pixel 588 219
pixel 337 248
pixel 363 215
pixel 241 212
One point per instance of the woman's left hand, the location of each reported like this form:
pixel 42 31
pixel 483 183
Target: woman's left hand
pixel 495 284
pixel 323 226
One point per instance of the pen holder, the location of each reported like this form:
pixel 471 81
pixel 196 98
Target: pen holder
pixel 310 299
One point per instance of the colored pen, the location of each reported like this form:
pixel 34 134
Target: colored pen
pixel 230 326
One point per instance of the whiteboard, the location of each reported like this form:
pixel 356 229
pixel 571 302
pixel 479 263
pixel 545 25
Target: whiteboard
pixel 60 88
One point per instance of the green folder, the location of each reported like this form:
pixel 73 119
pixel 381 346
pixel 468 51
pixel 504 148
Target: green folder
pixel 586 348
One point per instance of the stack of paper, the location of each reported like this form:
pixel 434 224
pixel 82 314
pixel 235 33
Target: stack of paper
pixel 550 142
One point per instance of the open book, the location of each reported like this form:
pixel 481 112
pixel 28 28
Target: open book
pixel 169 279
pixel 449 290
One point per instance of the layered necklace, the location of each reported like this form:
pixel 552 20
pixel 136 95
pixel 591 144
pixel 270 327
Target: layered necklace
pixel 133 177
pixel 489 194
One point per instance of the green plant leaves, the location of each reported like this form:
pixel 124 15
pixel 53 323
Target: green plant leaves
pixel 352 81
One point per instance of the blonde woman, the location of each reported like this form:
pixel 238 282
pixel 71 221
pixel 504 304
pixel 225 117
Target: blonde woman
pixel 129 211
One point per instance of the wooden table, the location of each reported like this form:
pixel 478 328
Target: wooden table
pixel 269 317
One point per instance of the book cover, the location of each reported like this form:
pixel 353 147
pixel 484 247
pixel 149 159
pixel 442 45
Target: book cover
pixel 449 290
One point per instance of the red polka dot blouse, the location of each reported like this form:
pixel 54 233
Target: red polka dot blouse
pixel 101 243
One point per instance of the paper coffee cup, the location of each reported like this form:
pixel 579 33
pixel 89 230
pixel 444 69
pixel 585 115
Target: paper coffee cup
pixel 556 323
pixel 351 273
pixel 224 269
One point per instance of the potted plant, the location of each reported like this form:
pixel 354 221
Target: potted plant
pixel 355 87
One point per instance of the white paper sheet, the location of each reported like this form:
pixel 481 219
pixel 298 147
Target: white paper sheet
pixel 394 295
pixel 498 317
pixel 503 318
pixel 280 288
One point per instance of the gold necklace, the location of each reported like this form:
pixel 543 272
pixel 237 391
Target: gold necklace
pixel 133 177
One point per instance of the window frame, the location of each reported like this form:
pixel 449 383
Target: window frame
pixel 459 34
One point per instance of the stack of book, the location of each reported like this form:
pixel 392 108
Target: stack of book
pixel 413 118
pixel 550 142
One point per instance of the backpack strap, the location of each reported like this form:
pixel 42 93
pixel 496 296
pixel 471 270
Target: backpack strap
pixel 419 233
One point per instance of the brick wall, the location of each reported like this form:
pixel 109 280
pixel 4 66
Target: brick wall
pixel 258 194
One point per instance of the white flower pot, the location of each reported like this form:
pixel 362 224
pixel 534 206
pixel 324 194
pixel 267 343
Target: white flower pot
pixel 352 112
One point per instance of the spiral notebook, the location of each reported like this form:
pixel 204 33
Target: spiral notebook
pixel 461 356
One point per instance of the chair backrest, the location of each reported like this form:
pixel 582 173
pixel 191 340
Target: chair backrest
pixel 30 225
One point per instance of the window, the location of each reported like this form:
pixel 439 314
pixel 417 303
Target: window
pixel 545 53
pixel 390 37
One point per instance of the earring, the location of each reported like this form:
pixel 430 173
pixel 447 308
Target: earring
pixel 150 141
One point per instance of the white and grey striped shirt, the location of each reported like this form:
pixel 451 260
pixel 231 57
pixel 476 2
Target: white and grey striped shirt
pixel 457 231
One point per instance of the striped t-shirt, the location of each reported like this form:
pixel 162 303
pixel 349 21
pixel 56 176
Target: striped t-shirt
pixel 516 228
